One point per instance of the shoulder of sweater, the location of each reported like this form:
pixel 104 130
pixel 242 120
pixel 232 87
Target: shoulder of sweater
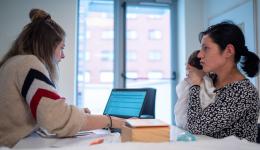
pixel 25 61
pixel 21 64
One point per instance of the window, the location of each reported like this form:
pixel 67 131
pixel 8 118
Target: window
pixel 155 55
pixel 152 66
pixel 107 35
pixel 155 35
pixel 107 56
pixel 132 74
pixel 80 77
pixel 106 77
pixel 155 16
pixel 95 53
pixel 131 56
pixel 155 75
pixel 88 35
pixel 86 76
pixel 131 35
pixel 131 16
pixel 81 37
pixel 137 38
pixel 87 56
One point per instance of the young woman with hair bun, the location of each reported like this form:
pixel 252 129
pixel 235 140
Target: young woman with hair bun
pixel 29 99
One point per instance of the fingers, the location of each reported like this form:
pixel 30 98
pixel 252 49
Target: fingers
pixel 194 75
pixel 86 110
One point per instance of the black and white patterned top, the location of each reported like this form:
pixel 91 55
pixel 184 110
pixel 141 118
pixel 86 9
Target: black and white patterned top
pixel 235 112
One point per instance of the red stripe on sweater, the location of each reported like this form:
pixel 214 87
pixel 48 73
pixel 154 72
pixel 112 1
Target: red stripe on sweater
pixel 38 96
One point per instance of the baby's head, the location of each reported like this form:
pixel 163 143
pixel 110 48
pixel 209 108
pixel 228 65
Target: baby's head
pixel 194 60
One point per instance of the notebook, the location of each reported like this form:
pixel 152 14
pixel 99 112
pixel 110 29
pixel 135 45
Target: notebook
pixel 125 103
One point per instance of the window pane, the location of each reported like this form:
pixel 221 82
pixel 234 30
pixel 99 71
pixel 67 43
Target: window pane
pixel 152 64
pixel 155 55
pixel 155 34
pixel 131 35
pixel 106 77
pixel 131 56
pixel 95 65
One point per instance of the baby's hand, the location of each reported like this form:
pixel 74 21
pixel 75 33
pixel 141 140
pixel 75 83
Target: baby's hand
pixel 195 75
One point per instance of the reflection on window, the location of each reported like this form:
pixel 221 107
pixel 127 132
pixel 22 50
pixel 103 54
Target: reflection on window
pixel 106 77
pixel 107 35
pixel 131 56
pixel 131 74
pixel 95 34
pixel 107 56
pixel 81 66
pixel 155 55
pixel 155 16
pixel 81 55
pixel 86 76
pixel 155 35
pixel 81 37
pixel 131 16
pixel 107 15
pixel 155 75
pixel 81 47
pixel 131 35
pixel 80 77
pixel 87 56
pixel 88 35
pixel 81 30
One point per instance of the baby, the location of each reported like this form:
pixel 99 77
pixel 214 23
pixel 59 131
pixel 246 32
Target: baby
pixel 207 94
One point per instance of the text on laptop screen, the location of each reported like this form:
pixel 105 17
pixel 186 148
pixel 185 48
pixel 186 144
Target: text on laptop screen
pixel 125 103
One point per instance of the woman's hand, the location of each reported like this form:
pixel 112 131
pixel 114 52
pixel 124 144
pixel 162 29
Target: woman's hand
pixel 87 111
pixel 194 75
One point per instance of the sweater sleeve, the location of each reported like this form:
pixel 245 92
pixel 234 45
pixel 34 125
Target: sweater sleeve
pixel 48 108
pixel 181 106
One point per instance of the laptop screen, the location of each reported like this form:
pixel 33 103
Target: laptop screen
pixel 125 103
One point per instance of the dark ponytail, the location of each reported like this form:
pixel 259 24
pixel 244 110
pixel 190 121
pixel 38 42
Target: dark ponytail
pixel 249 63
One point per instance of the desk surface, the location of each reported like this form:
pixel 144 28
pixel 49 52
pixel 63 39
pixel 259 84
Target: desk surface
pixel 112 142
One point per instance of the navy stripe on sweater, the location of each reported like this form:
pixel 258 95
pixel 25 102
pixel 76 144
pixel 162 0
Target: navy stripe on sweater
pixel 34 74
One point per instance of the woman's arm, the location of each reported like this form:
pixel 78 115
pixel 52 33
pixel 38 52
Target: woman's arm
pixel 92 122
pixel 48 108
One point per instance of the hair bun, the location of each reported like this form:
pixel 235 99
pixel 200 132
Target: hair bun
pixel 38 14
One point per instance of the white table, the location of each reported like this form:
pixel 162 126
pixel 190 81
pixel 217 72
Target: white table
pixel 112 142
pixel 35 141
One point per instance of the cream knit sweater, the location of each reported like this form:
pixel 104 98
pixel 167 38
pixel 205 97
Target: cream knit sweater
pixel 29 100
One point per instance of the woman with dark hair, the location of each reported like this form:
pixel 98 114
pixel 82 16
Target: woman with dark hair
pixel 236 107
pixel 29 99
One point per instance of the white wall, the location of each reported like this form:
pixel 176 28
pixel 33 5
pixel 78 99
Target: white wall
pixel 190 23
pixel 14 15
pixel 214 8
pixel 257 13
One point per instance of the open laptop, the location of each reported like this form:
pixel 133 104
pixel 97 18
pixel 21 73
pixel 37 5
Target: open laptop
pixel 126 103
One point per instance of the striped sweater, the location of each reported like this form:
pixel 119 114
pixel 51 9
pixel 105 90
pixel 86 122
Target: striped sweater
pixel 29 100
